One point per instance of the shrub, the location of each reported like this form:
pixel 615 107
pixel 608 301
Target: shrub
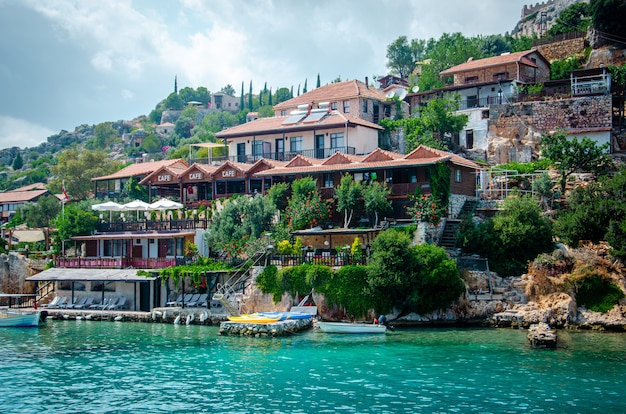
pixel 597 293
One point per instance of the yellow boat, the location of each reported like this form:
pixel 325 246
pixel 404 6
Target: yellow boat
pixel 253 319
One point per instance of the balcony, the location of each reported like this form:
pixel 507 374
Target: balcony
pixel 118 262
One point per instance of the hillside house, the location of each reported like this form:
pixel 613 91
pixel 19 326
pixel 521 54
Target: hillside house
pixel 11 201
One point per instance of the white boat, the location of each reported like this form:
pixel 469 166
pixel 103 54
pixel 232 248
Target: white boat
pixel 10 318
pixel 351 328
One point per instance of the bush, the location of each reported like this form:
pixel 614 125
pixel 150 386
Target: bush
pixel 597 293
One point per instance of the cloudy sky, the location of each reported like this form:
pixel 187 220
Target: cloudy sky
pixel 69 62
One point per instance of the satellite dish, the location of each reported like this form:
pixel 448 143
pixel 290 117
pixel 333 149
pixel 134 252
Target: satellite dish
pixel 390 94
pixel 415 89
pixel 400 93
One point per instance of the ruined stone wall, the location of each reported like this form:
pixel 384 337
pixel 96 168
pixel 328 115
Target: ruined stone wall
pixel 521 124
pixel 563 49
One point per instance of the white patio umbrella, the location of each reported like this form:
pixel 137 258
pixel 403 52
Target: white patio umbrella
pixel 108 206
pixel 137 206
pixel 165 204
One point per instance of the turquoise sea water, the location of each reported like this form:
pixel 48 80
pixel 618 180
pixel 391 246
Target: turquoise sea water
pixel 109 367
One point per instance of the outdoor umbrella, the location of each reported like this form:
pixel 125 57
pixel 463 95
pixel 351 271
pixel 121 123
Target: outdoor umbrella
pixel 137 206
pixel 165 204
pixel 108 206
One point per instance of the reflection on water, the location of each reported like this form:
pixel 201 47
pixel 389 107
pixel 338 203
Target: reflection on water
pixel 87 366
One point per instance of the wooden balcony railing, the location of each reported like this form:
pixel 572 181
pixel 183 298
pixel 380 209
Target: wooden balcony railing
pixel 152 225
pixel 117 262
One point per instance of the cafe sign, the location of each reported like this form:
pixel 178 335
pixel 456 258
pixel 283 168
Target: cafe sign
pixel 228 173
pixel 195 176
pixel 164 178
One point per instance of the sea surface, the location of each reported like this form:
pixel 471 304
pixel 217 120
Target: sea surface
pixel 117 367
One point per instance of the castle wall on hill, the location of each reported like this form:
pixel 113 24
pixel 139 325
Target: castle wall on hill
pixel 528 10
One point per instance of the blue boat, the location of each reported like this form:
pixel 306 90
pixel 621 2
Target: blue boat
pixel 285 315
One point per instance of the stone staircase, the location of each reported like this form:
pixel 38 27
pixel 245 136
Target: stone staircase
pixel 451 229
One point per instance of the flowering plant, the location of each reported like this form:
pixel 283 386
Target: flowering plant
pixel 426 208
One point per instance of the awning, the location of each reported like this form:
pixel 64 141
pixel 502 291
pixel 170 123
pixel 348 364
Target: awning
pixel 89 275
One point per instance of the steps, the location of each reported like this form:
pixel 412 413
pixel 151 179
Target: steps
pixel 226 304
pixel 450 231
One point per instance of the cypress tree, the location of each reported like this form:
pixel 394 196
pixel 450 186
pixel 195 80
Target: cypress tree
pixel 291 92
pixel 298 89
pixel 241 103
pixel 18 162
pixel 319 83
pixel 175 83
pixel 270 98
pixel 250 98
pixel 304 89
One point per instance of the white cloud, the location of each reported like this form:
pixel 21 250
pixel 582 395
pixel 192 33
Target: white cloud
pixel 16 132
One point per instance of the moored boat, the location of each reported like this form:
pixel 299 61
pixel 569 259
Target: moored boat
pixel 351 328
pixel 10 318
pixel 253 318
pixel 285 315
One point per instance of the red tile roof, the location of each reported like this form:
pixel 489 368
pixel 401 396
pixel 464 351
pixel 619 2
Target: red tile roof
pixel 20 196
pixel 275 125
pixel 519 57
pixel 142 169
pixel 333 92
pixel 421 156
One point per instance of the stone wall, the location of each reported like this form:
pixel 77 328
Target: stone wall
pixel 563 49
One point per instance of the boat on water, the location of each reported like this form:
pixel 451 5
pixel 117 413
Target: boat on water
pixel 11 318
pixel 285 315
pixel 253 318
pixel 351 328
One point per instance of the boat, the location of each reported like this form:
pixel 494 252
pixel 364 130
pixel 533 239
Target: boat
pixel 253 318
pixel 351 328
pixel 10 318
pixel 285 315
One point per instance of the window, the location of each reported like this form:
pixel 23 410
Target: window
pixel 364 106
pixel 346 107
pixel 471 79
pixel 336 140
pixel 333 106
pixel 500 76
pixel 328 180
pixel 485 114
pixel 114 248
pixel 257 148
pixel 295 144
pixel 283 113
pixel 175 247
pixel 457 176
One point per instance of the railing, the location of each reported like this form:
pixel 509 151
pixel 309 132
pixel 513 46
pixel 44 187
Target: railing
pixel 326 259
pixel 480 103
pixel 402 189
pixel 118 262
pixel 152 225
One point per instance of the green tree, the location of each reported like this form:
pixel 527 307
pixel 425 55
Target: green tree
pixel 375 198
pixel 250 98
pixel 306 208
pixel 574 18
pixel 241 101
pixel 402 55
pixel 18 162
pixel 183 126
pixel 151 144
pixel 270 99
pixel 571 155
pixel 278 195
pixel 78 168
pixel 41 213
pixel 347 194
pixel 76 220
pixel 319 82
pixel 596 212
pixel 282 95
pixel 608 17
pixel 229 90
pixel 516 235
pixel 174 102
pixel 238 227
pixel 304 90
pixel 266 111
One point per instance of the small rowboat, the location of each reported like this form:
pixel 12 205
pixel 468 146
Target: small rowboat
pixel 12 318
pixel 351 328
pixel 253 319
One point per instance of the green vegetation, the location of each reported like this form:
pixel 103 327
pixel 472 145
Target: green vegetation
pixel 196 272
pixel 595 291
pixel 572 19
pixel 418 279
pixel 516 235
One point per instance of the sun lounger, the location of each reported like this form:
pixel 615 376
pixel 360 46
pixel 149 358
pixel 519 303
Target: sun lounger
pixel 193 299
pixel 111 303
pixel 175 302
pixel 61 303
pixel 200 301
pixel 53 303
pixel 100 305
pixel 121 304
pixel 77 303
pixel 88 302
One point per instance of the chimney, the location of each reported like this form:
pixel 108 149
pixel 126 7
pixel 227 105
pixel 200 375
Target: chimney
pixel 367 83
